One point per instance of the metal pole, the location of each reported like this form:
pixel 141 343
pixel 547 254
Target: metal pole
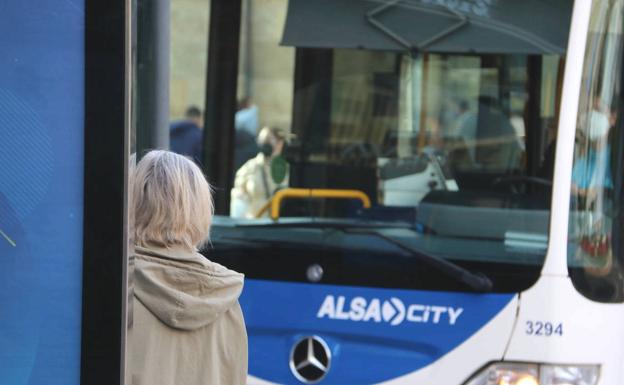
pixel 221 81
pixel 249 49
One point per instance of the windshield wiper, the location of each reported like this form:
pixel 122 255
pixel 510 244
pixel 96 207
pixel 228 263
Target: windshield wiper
pixel 476 281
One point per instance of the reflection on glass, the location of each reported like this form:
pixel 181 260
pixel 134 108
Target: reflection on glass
pixel 595 268
pixel 246 126
pixel 188 58
pixel 187 77
pixel 185 135
pixel 260 177
pixel 455 142
pixel 264 112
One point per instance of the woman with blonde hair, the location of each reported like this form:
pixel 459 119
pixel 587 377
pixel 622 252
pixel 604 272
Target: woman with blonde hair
pixel 187 327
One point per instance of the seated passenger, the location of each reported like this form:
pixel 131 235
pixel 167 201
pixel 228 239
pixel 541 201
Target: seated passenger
pixel 246 130
pixel 592 172
pixel 491 140
pixel 260 177
pixel 592 183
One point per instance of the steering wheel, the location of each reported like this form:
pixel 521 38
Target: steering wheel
pixel 514 180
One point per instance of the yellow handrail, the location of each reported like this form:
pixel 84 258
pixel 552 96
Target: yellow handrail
pixel 288 193
pixel 264 209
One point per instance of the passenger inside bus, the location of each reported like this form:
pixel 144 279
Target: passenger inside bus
pixel 448 141
pixel 245 132
pixel 592 171
pixel 592 184
pixel 490 138
pixel 260 177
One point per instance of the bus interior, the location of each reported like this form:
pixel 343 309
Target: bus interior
pixel 449 136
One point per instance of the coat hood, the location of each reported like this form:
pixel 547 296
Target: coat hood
pixel 183 289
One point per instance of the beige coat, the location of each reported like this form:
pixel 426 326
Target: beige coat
pixel 253 188
pixel 188 327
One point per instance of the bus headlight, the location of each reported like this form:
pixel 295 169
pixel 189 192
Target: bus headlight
pixel 509 373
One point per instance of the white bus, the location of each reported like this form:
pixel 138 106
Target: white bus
pixel 448 207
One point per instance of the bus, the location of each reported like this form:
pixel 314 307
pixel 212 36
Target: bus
pixel 449 183
pixel 446 207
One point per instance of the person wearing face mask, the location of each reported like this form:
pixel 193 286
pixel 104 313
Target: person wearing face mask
pixel 591 171
pixel 591 182
pixel 260 177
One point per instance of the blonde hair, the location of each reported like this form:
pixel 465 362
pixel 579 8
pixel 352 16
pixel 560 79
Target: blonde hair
pixel 172 202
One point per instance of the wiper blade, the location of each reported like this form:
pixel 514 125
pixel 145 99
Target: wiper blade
pixel 476 281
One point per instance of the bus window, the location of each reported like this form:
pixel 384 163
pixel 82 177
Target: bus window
pixel 595 246
pixel 381 158
pixel 169 77
pixel 187 76
pixel 263 117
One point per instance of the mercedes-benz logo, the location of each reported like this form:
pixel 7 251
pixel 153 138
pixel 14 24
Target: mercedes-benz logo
pixel 310 359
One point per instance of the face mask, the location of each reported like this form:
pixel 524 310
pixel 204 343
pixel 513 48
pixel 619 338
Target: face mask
pixel 598 125
pixel 266 149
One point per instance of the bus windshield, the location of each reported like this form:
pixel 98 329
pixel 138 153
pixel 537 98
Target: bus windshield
pixel 369 148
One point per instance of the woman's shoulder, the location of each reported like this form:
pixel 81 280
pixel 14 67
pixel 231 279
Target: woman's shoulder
pixel 181 258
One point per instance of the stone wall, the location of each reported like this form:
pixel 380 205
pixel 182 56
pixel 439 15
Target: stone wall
pixel 188 54
pixel 266 69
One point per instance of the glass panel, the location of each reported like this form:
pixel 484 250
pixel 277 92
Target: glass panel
pixel 187 77
pixel 265 101
pixel 595 220
pixel 170 46
pixel 449 154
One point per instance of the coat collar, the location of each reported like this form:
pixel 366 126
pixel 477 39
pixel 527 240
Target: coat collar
pixel 176 253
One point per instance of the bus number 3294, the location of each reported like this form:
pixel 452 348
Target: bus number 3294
pixel 540 328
